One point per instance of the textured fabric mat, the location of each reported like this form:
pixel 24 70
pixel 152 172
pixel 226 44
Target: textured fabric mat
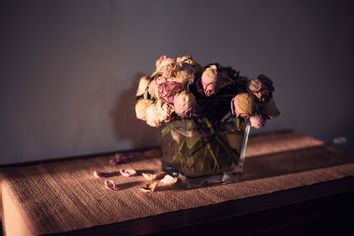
pixel 65 196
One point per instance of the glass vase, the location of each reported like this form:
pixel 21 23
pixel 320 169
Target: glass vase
pixel 201 153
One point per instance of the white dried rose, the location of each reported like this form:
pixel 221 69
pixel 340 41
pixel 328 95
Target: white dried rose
pixel 143 84
pixel 152 116
pixel 140 108
pixel 164 111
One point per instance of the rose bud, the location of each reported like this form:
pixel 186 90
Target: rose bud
pixel 185 104
pixel 165 66
pixel 187 59
pixel 140 108
pixel 209 80
pixel 270 109
pixel 212 80
pixel 167 90
pixel 243 105
pixel 164 111
pixel 262 87
pixel 152 116
pixel 143 84
pixel 257 121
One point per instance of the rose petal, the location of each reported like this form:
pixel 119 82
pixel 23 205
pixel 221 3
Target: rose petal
pixel 149 176
pixel 120 157
pixel 168 180
pixel 99 174
pixel 109 184
pixel 127 172
pixel 150 187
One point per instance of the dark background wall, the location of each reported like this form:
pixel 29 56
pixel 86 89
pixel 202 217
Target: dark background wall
pixel 68 69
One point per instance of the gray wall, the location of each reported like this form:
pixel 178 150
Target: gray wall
pixel 68 69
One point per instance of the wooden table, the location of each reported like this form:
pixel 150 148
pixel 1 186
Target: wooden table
pixel 292 184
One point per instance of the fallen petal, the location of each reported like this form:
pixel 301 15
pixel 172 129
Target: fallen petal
pixel 168 180
pixel 109 184
pixel 127 172
pixel 120 157
pixel 99 174
pixel 149 188
pixel 149 176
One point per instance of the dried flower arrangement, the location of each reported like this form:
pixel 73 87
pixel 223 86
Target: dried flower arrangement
pixel 182 89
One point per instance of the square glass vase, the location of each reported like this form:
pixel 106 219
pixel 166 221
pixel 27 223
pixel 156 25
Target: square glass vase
pixel 202 154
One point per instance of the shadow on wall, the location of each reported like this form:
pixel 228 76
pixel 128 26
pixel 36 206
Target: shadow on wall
pixel 126 126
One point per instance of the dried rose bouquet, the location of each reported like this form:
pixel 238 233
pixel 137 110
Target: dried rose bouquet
pixel 201 109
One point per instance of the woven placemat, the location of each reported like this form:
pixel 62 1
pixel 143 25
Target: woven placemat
pixel 65 196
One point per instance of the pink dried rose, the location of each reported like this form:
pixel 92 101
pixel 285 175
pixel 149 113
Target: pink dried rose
pixel 164 111
pixel 185 104
pixel 257 121
pixel 262 88
pixel 165 66
pixel 212 80
pixel 154 85
pixel 141 107
pixel 243 105
pixel 152 116
pixel 167 91
pixel 270 109
pixel 143 85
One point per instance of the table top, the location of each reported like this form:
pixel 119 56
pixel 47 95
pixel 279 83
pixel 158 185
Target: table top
pixel 281 168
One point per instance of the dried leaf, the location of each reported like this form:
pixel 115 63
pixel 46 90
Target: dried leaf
pixel 168 180
pixel 149 176
pixel 99 174
pixel 109 184
pixel 150 187
pixel 127 172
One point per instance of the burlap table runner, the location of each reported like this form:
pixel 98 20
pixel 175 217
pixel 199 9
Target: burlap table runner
pixel 65 196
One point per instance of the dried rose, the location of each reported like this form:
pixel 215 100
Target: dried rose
pixel 165 66
pixel 149 176
pixel 212 80
pixel 167 90
pixel 185 104
pixel 127 172
pixel 185 74
pixel 243 105
pixel 154 85
pixel 168 180
pixel 99 174
pixel 152 116
pixel 262 87
pixel 164 111
pixel 143 84
pixel 257 121
pixel 149 188
pixel 209 80
pixel 109 184
pixel 270 109
pixel 141 107
pixel 187 59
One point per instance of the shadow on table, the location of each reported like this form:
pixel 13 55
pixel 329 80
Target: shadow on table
pixel 294 161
